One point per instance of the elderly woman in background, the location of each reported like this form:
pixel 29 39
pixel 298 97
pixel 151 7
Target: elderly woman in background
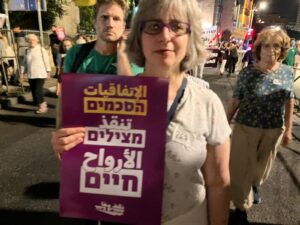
pixel 37 67
pixel 264 97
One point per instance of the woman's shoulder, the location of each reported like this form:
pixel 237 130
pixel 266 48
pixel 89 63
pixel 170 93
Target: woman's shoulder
pixel 285 67
pixel 286 70
pixel 198 81
pixel 200 90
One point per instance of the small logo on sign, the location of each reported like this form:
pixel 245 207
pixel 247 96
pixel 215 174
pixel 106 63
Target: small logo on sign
pixel 111 209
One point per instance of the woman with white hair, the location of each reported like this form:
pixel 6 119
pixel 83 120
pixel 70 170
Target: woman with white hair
pixel 37 67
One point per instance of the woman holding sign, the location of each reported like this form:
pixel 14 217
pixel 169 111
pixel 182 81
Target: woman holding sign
pixel 165 39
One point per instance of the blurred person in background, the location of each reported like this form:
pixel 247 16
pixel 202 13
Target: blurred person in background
pixel 290 58
pixel 297 61
pixel 232 58
pixel 66 44
pixel 37 67
pixel 223 56
pixel 55 44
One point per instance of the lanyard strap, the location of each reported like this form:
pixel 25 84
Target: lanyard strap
pixel 176 101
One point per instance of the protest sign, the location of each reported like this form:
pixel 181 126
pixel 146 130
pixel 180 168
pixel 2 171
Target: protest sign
pixel 116 174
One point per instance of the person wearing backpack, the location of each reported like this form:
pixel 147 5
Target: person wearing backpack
pixel 106 55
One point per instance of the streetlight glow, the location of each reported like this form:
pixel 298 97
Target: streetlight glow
pixel 259 6
pixel 263 6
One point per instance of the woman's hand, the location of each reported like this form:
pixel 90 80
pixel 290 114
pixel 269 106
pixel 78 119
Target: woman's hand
pixel 287 137
pixel 66 138
pixel 58 89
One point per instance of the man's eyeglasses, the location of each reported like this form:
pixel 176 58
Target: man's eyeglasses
pixel 177 28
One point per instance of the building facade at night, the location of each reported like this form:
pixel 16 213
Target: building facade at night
pixel 226 14
pixel 297 25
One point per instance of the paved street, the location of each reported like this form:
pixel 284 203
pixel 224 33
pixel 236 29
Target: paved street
pixel 30 172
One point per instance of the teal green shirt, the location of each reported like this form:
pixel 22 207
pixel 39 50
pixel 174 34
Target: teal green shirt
pixel 94 62
pixel 289 60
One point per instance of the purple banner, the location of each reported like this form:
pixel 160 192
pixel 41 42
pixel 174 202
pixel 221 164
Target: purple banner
pixel 116 174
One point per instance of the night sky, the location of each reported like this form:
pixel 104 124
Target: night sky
pixel 286 8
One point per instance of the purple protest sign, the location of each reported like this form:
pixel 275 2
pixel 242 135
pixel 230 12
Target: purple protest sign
pixel 116 174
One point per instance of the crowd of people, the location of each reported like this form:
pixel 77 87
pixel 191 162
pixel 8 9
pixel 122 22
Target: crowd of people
pixel 228 57
pixel 165 41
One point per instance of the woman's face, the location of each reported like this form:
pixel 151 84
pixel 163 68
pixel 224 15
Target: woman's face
pixel 32 41
pixel 270 51
pixel 165 42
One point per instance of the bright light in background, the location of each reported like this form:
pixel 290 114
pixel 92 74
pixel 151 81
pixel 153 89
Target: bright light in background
pixel 206 25
pixel 263 5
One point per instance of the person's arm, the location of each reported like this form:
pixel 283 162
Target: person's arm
pixel 217 181
pixel 288 120
pixel 234 105
pixel 123 65
pixel 46 62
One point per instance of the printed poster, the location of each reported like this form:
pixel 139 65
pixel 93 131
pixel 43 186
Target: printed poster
pixel 116 174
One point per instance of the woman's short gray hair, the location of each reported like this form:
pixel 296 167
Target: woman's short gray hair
pixel 152 9
pixel 32 36
pixel 272 33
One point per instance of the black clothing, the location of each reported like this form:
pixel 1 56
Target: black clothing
pixel 55 45
pixel 36 87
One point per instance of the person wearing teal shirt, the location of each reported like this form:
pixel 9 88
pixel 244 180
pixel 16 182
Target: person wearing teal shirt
pixel 108 53
pixel 96 62
pixel 290 59
pixel 107 56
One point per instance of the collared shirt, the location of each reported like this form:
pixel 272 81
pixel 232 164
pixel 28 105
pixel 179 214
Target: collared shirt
pixel 262 96
pixel 199 120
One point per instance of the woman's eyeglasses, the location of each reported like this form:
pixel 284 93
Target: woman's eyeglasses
pixel 177 28
pixel 269 46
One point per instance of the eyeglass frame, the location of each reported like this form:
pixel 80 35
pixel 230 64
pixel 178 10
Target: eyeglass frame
pixel 168 25
pixel 275 46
